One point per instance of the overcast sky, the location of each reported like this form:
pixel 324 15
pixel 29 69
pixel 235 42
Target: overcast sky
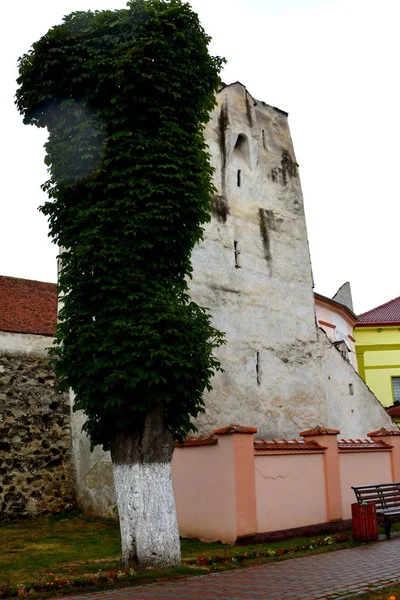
pixel 332 64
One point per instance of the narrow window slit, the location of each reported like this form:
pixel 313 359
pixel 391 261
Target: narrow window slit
pixel 239 177
pixel 351 389
pixel 237 253
pixel 263 139
pixel 258 368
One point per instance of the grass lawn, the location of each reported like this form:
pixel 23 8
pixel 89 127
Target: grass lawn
pixel 29 549
pixel 384 593
pixel 76 548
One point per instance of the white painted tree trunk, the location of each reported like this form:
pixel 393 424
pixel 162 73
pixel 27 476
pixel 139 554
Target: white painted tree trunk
pixel 145 497
pixel 147 514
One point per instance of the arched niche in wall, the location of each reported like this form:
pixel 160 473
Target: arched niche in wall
pixel 241 150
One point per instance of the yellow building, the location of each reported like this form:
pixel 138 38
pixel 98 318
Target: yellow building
pixel 377 337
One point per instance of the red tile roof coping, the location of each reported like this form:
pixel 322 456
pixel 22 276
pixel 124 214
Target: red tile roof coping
pixel 362 445
pixel 28 306
pixel 383 432
pixel 199 440
pixel 393 411
pixel 234 428
pixel 288 445
pixel 319 430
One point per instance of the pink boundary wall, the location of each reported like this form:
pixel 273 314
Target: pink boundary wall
pixel 229 485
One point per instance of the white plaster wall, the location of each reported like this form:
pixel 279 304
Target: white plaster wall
pixel 266 307
pixel 93 471
pixel 25 343
pixel 356 413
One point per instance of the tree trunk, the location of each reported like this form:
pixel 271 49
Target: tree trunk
pixel 145 498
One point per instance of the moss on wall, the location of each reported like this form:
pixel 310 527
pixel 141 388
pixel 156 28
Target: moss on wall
pixel 288 167
pixel 287 170
pixel 223 122
pixel 220 208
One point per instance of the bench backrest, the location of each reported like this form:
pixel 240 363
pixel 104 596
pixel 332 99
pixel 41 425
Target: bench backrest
pixel 383 495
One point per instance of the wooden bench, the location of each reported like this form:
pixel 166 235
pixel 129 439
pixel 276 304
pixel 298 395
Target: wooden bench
pixel 385 496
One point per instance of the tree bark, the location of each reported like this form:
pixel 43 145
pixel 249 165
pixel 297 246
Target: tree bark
pixel 145 498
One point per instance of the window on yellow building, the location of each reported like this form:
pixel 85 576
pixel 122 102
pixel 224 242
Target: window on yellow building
pixel 396 389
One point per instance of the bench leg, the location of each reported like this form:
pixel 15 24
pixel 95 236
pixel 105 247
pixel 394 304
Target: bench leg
pixel 387 527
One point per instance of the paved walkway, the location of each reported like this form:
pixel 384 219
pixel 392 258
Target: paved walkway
pixel 333 575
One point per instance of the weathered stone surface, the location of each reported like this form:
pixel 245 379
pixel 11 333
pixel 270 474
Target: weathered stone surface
pixel 95 493
pixel 35 440
pixel 253 273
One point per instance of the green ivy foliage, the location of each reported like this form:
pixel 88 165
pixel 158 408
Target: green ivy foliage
pixel 125 96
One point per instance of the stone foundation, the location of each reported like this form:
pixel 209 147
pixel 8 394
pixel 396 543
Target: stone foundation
pixel 35 440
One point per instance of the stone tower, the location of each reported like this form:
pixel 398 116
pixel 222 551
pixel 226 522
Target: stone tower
pixel 253 273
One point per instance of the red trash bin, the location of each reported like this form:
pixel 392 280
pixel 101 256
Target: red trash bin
pixel 365 523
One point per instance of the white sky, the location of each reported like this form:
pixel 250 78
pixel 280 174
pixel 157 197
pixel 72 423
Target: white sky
pixel 332 64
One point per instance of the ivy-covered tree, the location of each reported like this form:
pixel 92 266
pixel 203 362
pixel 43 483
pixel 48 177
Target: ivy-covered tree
pixel 125 96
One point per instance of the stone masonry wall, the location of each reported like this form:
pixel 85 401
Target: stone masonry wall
pixel 35 473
